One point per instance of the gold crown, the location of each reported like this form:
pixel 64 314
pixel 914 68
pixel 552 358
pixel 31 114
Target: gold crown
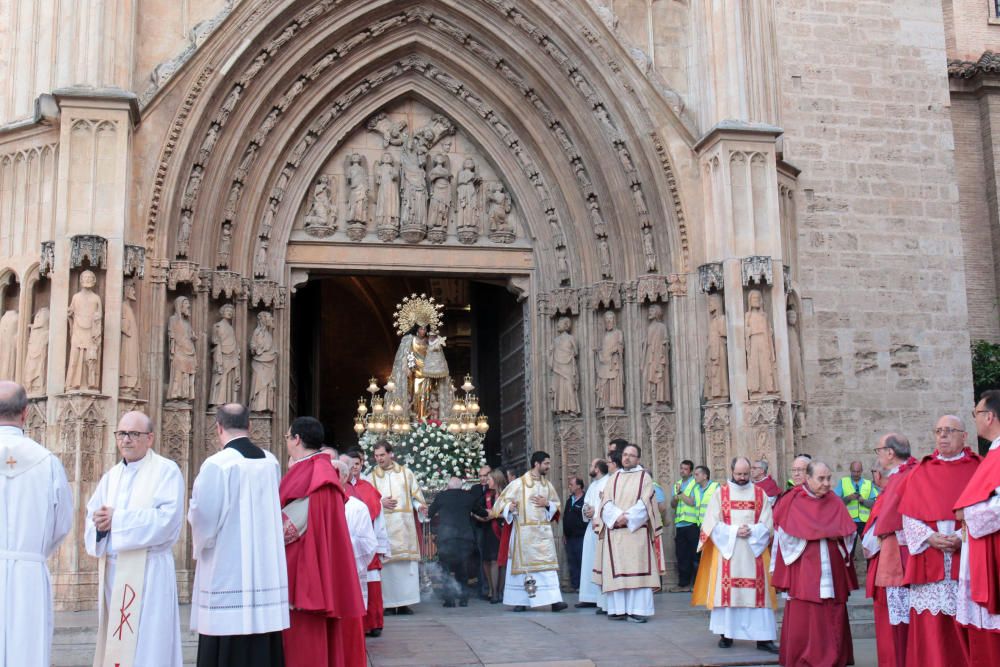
pixel 417 310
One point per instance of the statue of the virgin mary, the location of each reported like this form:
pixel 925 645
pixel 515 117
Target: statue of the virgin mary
pixel 420 369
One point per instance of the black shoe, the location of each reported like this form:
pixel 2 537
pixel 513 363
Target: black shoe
pixel 448 603
pixel 463 603
pixel 520 607
pixel 725 642
pixel 617 617
pixel 494 600
pixel 559 606
pixel 768 646
pixel 601 612
pixel 585 605
pixel 374 632
pixel 636 619
pixel 404 611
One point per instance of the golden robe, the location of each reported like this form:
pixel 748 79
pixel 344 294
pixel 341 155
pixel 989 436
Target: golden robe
pixel 400 483
pixel 626 558
pixel 533 546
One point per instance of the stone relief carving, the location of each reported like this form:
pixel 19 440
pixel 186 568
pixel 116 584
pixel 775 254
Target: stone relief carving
pixel 181 348
pixel 260 259
pixel 565 371
pixel 193 187
pixel 88 247
pixel 183 272
pixel 649 249
pixel 716 358
pixel 762 374
pixel 264 362
pixel 8 345
pixel 610 388
pixel 757 269
pixel 498 207
pixel 614 426
pixel 129 361
pixel 81 429
pixel 232 201
pixel 565 300
pixel 48 258
pixel 321 219
pixel 656 359
pixel 715 424
pixel 225 246
pixel 764 420
pixel 652 288
pixel 469 211
pixel 662 430
pixel 229 284
pixel 184 234
pixel 393 132
pixel 605 294
pixel 604 257
pixel 266 293
pixel 569 436
pixel 86 333
pixel 207 144
pixel 710 277
pixel 413 205
pixel 176 432
pixel 358 195
pixel 387 199
pixel 439 210
pixel 226 379
pixel 36 359
pixel 795 356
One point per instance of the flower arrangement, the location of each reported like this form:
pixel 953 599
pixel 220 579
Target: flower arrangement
pixel 434 455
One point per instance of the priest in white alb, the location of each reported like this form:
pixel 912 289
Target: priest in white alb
pixel 530 504
pixel 629 562
pixel 401 497
pixel 134 517
pixel 239 596
pixel 590 593
pixel 359 526
pixel 733 576
pixel 36 514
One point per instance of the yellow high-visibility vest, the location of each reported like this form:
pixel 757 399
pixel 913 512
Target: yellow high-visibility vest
pixel 857 511
pixel 685 512
pixel 702 497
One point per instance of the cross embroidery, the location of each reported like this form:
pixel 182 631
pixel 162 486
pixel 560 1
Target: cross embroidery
pixel 11 462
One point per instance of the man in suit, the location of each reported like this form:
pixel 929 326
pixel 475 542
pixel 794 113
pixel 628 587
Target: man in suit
pixel 456 539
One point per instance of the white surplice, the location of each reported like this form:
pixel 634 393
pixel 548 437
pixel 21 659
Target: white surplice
pixel 981 519
pixel 589 591
pixel 155 529
pixel 36 513
pixel 546 582
pixel 241 579
pixel 363 541
pixel 634 601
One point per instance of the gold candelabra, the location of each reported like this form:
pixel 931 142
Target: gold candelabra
pixel 466 422
pixel 381 416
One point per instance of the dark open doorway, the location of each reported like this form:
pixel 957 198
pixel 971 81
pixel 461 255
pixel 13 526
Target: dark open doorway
pixel 342 335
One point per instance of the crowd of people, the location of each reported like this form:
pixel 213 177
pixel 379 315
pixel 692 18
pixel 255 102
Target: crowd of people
pixel 298 569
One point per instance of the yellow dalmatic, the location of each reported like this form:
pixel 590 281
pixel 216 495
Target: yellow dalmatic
pixel 533 546
pixel 399 482
pixel 629 557
pixel 734 571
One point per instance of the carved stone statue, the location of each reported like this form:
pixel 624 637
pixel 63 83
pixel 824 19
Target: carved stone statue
pixel 226 379
pixel 716 359
pixel 183 359
pixel 387 199
pixel 184 234
pixel 639 200
pixel 321 220
pixel 128 368
pixel 439 211
pixel 264 362
pixel 36 360
pixel 610 366
pixel 565 375
pixel 469 211
pixel 358 196
pixel 656 359
pixel 8 345
pixel 86 332
pixel 208 144
pixel 761 370
pixel 260 259
pixel 225 246
pixel 193 186
pixel 795 356
pixel 498 207
pixel 562 265
pixel 413 207
pixel 649 249
pixel 604 256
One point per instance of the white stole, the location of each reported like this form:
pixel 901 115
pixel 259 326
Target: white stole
pixel 116 642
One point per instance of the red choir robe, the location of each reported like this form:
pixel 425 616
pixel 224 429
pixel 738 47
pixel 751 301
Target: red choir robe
pixel 816 630
pixel 323 591
pixel 983 565
pixel 886 566
pixel 928 496
pixel 364 491
pixel 769 487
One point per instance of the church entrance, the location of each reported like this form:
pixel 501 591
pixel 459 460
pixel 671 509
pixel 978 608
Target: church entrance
pixel 342 335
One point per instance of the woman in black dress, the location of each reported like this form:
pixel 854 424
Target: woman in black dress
pixel 491 539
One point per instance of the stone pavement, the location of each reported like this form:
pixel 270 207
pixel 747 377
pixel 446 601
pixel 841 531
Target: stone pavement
pixel 493 636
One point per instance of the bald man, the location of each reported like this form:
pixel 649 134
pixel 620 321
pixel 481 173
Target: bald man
pixel 134 518
pixel 37 513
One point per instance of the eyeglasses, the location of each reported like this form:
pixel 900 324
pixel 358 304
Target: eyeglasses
pixel 799 469
pixel 131 435
pixel 880 449
pixel 947 431
pixel 976 413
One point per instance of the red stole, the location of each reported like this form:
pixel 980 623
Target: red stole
pixel 321 571
pixel 768 486
pixel 984 552
pixel 928 495
pixel 887 567
pixel 367 493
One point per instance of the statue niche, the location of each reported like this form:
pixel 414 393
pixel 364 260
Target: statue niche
pixel 358 194
pixel 226 379
pixel 8 336
pixel 610 387
pixel 716 358
pixel 439 211
pixel 36 359
pixel 762 376
pixel 128 369
pixel 86 316
pixel 565 372
pixel 387 199
pixel 264 362
pixel 656 359
pixel 183 359
pixel 321 219
pixel 470 209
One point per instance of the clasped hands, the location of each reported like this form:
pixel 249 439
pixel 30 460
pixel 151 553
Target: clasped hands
pixel 102 518
pixel 743 531
pixel 947 543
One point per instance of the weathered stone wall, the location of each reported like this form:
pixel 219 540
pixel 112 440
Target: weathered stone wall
pixel 865 112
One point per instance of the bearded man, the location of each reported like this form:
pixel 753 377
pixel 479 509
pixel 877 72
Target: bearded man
pixel 733 577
